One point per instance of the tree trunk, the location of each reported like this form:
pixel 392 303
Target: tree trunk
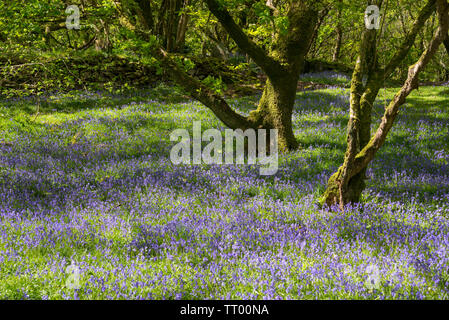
pixel 147 13
pixel 282 65
pixel 337 48
pixel 357 184
pixel 275 110
pixel 339 30
pixel 171 24
pixel 446 44
pixel 182 29
pixel 321 18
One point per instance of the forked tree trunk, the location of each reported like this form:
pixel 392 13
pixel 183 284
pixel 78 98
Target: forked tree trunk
pixel 346 185
pixel 282 65
pixel 273 112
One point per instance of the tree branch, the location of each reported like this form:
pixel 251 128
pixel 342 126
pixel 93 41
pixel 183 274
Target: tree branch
pixel 202 93
pixel 88 43
pixel 268 64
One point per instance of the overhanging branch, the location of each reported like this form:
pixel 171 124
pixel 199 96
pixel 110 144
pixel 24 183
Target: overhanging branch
pixel 268 64
pixel 202 93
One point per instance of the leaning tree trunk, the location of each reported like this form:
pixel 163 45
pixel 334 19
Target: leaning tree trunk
pixel 346 185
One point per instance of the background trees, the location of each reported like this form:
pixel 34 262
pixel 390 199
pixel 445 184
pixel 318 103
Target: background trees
pixel 118 28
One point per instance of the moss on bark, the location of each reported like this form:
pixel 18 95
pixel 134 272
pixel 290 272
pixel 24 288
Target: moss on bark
pixel 275 111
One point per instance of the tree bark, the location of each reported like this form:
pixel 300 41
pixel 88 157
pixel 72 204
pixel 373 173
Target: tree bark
pixel 336 53
pixel 376 76
pixel 172 24
pixel 275 110
pixel 339 31
pixel 161 18
pixel 321 18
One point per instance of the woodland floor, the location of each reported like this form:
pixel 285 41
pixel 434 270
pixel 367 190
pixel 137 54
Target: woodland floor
pixel 88 179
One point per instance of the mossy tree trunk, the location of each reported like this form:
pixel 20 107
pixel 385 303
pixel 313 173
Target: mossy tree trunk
pixel 346 185
pixel 282 64
pixel 275 110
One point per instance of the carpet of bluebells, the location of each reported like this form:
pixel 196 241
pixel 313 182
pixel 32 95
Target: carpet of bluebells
pixel 88 181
